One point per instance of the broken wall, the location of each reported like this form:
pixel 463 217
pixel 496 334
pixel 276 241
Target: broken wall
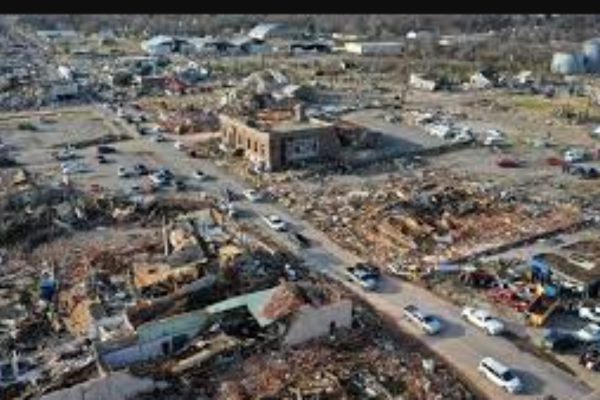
pixel 310 323
pixel 116 386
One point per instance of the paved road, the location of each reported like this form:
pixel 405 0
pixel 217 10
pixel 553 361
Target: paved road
pixel 461 344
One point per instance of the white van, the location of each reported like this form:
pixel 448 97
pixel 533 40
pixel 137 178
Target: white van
pixel 500 374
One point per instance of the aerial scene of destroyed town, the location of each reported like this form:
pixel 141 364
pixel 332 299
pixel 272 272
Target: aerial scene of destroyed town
pixel 300 207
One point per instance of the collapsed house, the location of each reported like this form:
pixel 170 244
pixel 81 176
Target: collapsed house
pixel 573 267
pixel 264 309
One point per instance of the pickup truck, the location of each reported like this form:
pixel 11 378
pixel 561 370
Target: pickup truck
pixel 483 320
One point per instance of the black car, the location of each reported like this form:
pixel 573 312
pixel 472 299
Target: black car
pixel 559 342
pixel 102 159
pixel 299 239
pixel 103 149
pixel 180 186
pixel 140 169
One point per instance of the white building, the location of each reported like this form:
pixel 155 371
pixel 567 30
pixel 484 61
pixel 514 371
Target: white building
pixel 374 48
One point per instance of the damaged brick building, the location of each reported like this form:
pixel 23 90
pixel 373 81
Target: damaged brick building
pixel 274 139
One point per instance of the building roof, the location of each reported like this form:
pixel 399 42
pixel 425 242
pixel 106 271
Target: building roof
pixel 158 40
pixel 565 265
pixel 261 31
pixel 266 306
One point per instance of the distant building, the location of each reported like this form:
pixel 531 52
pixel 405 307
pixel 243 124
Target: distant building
pixel 164 45
pixel 266 31
pixel 60 36
pixel 374 48
pixel 421 82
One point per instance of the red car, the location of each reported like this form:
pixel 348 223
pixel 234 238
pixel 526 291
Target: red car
pixel 555 161
pixel 507 162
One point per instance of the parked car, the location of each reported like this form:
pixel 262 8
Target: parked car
pixel 590 358
pixel 140 169
pixel 102 159
pixel 500 374
pixel 73 168
pixel 590 314
pixel 158 138
pixel 299 240
pixel 367 276
pixel 122 172
pixel 428 323
pixel 589 333
pixel 65 155
pixel 180 186
pixel 200 175
pixel 509 162
pixel 581 171
pixel 559 341
pixel 275 222
pixel 252 195
pixel 104 149
pixel 574 155
pixel 483 320
pixel 179 145
pixel 158 180
pixel 290 273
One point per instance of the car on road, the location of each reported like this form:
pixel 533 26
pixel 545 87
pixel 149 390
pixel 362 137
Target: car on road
pixel 104 149
pixel 200 175
pixel 590 313
pixel 180 186
pixel 275 222
pixel 589 333
pixel 140 170
pixel 430 324
pixel 101 158
pixel 252 195
pixel 483 320
pixel 500 374
pixel 158 138
pixel 65 155
pixel 558 341
pixel 158 180
pixel 73 168
pixel 179 145
pixel 122 172
pixel 366 275
pixel 299 239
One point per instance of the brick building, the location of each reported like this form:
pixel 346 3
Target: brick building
pixel 275 139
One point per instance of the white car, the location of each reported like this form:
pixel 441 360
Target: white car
pixel 179 145
pixel 574 155
pixel 275 222
pixel 428 323
pixel 73 168
pixel 590 313
pixel 199 175
pixel 483 320
pixel 122 172
pixel 500 375
pixel 589 333
pixel 252 195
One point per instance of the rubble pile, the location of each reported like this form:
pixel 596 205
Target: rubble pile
pixel 423 220
pixel 351 366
